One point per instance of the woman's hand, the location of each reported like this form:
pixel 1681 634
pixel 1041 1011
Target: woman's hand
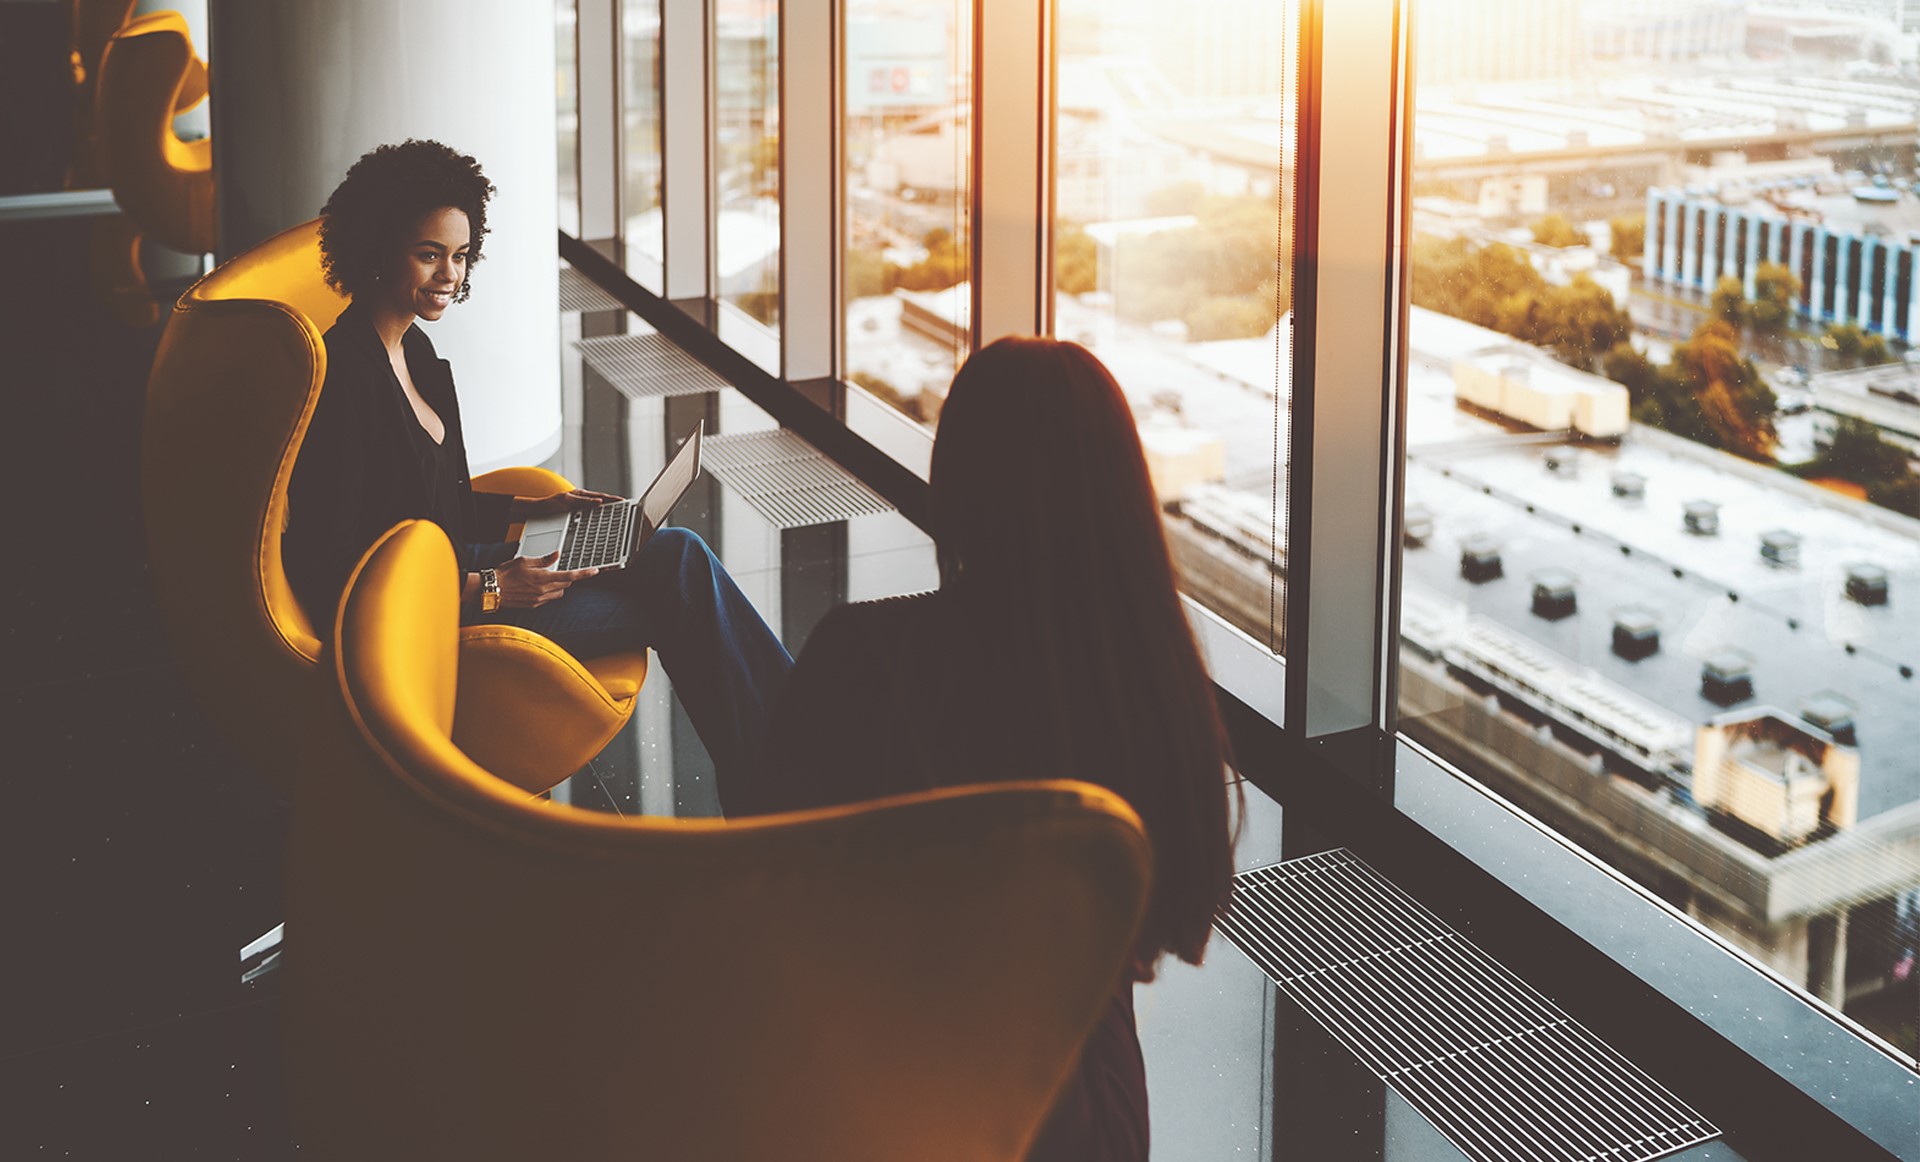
pixel 524 507
pixel 529 582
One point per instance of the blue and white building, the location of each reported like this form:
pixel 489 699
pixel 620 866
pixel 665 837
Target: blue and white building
pixel 1853 250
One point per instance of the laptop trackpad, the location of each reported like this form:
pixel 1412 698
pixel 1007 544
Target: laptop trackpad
pixel 539 544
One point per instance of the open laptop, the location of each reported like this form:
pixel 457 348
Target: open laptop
pixel 607 535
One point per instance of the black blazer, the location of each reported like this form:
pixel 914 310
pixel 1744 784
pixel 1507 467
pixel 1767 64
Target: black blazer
pixel 895 696
pixel 359 473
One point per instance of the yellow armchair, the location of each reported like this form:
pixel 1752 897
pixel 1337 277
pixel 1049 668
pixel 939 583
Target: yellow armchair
pixel 233 386
pixel 92 25
pixel 478 974
pixel 148 73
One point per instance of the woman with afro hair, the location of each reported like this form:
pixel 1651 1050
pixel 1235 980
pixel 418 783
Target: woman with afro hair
pixel 399 237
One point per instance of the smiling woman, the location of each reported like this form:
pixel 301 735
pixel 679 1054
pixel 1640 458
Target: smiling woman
pixel 399 236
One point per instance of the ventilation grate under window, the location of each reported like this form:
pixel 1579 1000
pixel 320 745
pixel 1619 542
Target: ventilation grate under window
pixel 787 480
pixel 1499 1069
pixel 647 366
pixel 580 293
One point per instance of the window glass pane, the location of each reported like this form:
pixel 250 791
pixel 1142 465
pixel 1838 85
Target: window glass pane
pixel 1661 556
pixel 1172 205
pixel 909 164
pixel 567 95
pixel 746 157
pixel 642 226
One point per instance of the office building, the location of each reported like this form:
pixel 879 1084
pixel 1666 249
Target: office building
pixel 1851 248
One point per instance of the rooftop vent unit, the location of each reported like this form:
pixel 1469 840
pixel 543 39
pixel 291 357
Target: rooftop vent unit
pixel 1553 594
pixel 1833 714
pixel 1480 559
pixel 1703 518
pixel 1780 547
pixel 1636 633
pixel 1416 526
pixel 1726 678
pixel 1562 462
pixel 1629 485
pixel 1867 584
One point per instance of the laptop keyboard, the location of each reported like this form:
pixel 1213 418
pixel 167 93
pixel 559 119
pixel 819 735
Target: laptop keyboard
pixel 599 537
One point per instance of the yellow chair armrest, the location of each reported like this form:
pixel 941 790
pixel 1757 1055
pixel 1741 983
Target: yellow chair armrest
pixel 527 711
pixel 521 482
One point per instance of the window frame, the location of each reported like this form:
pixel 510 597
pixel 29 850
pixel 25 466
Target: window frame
pixel 1781 1072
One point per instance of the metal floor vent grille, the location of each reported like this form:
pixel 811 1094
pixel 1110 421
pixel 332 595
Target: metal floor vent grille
pixel 787 480
pixel 647 366
pixel 580 293
pixel 1496 1067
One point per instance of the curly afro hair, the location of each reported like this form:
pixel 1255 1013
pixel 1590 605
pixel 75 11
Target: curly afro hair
pixel 364 224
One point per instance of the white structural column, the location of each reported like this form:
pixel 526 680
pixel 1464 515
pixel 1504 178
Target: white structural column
pixel 1913 295
pixel 808 298
pixel 1670 246
pixel 1817 302
pixel 1796 247
pixel 304 89
pixel 1348 362
pixel 1653 254
pixel 687 184
pixel 1712 221
pixel 1690 245
pixel 1842 297
pixel 1011 111
pixel 1753 253
pixel 1890 257
pixel 597 72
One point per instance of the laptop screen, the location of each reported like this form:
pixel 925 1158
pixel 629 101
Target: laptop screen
pixel 673 481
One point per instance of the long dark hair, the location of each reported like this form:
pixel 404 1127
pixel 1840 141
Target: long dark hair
pixel 1051 550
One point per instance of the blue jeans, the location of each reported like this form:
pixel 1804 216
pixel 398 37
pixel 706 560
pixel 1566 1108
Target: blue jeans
pixel 676 598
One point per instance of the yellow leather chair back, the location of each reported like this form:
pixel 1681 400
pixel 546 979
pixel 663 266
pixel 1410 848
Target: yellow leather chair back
pixel 476 974
pixel 163 183
pixel 232 388
pixel 92 25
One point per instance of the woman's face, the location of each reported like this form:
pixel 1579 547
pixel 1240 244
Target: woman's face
pixel 433 266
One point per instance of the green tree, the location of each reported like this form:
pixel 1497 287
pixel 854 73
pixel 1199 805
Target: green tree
pixel 868 274
pixel 1856 344
pixel 1229 317
pixel 1554 230
pixel 1076 261
pixel 1860 455
pixel 1730 301
pixel 1775 291
pixel 944 266
pixel 1630 369
pixel 1581 322
pixel 1712 393
pixel 1629 237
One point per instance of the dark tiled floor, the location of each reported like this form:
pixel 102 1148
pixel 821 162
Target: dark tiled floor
pixel 142 851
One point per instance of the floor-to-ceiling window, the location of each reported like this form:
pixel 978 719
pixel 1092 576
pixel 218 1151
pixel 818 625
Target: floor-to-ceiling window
pixel 1660 543
pixel 907 162
pixel 642 219
pixel 1172 192
pixel 746 159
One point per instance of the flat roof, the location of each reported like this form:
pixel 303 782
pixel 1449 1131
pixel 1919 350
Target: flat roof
pixel 1793 625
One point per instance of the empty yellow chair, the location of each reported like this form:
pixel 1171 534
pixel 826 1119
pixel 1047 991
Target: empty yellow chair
pixel 239 370
pixel 148 73
pixel 92 24
pixel 477 974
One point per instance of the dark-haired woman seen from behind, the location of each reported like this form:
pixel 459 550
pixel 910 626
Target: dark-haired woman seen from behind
pixel 1056 647
pixel 398 237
